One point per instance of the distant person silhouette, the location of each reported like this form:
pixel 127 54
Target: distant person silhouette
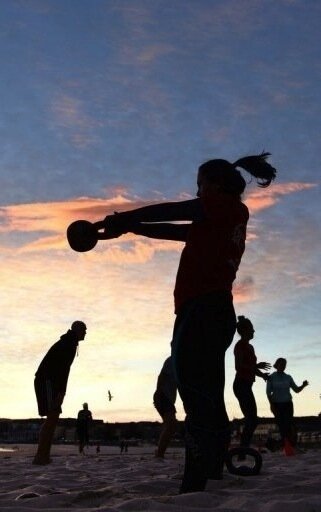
pixel 51 383
pixel 84 420
pixel 278 392
pixel 164 402
pixel 205 322
pixel 246 370
pixel 123 446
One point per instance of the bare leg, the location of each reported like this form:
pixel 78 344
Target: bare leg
pixel 169 426
pixel 45 439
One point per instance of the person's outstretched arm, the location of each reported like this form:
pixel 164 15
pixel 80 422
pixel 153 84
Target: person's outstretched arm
pixel 163 231
pixel 262 366
pixel 160 230
pixel 263 375
pixel 162 212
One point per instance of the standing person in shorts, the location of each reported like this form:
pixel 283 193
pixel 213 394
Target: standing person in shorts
pixel 247 368
pixel 164 402
pixel 278 389
pixel 84 420
pixel 51 383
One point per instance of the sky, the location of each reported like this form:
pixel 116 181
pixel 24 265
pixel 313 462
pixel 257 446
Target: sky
pixel 107 105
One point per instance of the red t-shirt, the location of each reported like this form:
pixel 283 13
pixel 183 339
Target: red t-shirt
pixel 213 249
pixel 245 355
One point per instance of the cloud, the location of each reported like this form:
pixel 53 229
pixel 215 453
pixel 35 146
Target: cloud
pixel 260 199
pixel 307 280
pixel 53 216
pixel 70 112
pixel 122 290
pixel 48 221
pixel 244 290
pixel 238 18
pixel 152 52
pixel 71 118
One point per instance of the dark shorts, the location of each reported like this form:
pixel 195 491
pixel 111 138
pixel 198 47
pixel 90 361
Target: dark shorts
pixel 46 397
pixel 163 405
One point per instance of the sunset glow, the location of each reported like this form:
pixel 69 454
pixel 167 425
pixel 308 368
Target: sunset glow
pixel 108 106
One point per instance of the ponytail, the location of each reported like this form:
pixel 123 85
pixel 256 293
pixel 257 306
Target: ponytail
pixel 231 180
pixel 258 167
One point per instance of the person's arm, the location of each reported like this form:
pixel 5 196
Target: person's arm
pixel 53 368
pixel 160 230
pixel 161 381
pixel 263 375
pixel 269 389
pixel 163 231
pixel 162 212
pixel 269 393
pixel 298 389
pixel 239 360
pixel 262 366
pixel 64 357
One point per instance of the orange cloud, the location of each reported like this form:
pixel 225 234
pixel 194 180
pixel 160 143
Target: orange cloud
pixel 70 116
pixel 263 198
pixel 244 291
pixel 56 216
pixel 50 221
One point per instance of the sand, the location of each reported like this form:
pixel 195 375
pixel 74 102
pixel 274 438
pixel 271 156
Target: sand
pixel 136 481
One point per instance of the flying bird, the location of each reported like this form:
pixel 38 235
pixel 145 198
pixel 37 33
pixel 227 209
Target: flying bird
pixel 109 396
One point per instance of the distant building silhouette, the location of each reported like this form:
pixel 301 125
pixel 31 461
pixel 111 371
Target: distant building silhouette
pixel 26 431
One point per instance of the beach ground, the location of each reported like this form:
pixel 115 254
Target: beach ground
pixel 137 481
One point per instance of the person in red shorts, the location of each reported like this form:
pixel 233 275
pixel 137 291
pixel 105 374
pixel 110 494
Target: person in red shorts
pixel 214 237
pixel 51 383
pixel 247 368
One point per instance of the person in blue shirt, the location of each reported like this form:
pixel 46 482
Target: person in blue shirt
pixel 278 388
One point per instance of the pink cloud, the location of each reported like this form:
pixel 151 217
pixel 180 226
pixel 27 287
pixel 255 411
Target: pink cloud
pixel 307 280
pixel 57 215
pixel 244 291
pixel 70 116
pixel 152 52
pixel 263 198
pixel 54 218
